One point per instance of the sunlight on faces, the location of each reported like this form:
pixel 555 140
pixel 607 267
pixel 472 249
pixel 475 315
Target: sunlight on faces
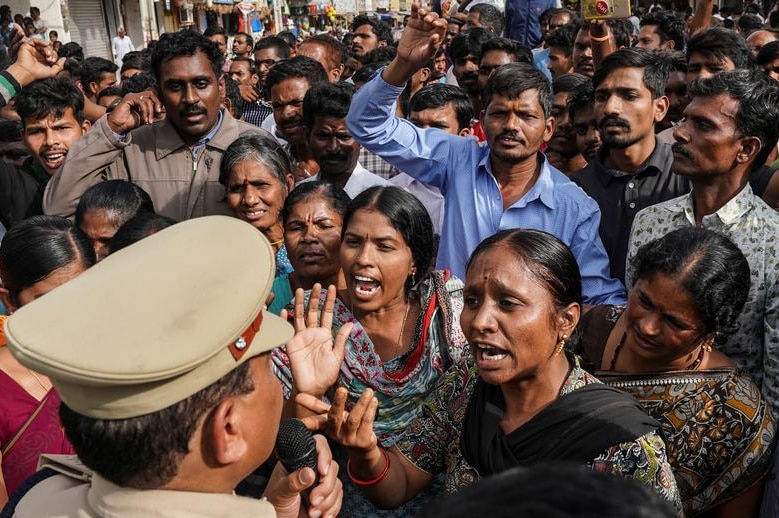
pixel 255 194
pixel 49 139
pixel 516 128
pixel 312 235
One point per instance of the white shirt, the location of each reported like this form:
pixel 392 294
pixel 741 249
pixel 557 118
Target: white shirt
pixel 121 47
pixel 360 180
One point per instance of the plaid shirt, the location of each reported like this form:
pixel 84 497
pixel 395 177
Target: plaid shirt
pixel 255 113
pixel 376 164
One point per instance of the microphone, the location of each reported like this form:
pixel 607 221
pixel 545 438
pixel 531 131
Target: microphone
pixel 296 449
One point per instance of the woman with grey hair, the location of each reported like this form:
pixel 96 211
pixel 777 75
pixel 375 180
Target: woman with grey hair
pixel 255 171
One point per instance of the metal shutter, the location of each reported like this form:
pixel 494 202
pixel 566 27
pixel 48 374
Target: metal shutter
pixel 88 28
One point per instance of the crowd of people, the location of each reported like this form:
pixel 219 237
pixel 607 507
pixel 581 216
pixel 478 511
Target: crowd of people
pixel 499 259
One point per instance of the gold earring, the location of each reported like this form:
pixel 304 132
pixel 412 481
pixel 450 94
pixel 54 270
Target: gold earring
pixel 561 345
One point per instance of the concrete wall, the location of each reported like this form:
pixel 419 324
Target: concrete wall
pixel 50 12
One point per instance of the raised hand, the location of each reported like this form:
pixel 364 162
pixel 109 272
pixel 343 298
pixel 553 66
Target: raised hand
pixel 353 429
pixel 134 110
pixel 422 36
pixel 314 357
pixel 34 59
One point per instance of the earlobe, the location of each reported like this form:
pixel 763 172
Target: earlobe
pixel 750 147
pixel 661 108
pixel 569 318
pixel 224 427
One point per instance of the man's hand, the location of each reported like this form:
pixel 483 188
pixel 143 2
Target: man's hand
pixel 248 93
pixel 420 40
pixel 35 59
pixel 284 489
pixel 134 110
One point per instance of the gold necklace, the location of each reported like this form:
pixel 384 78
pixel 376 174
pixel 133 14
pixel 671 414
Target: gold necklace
pixel 403 325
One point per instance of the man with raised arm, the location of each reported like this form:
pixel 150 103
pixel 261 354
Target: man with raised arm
pixel 506 183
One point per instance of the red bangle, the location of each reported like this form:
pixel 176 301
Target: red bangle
pixel 369 482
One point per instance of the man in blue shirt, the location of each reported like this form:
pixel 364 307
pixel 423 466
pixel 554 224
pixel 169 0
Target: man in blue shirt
pixel 504 184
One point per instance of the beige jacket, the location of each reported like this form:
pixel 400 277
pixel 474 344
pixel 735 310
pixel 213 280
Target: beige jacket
pixel 62 496
pixel 156 159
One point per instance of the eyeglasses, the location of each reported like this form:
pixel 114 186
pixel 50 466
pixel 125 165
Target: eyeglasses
pixel 267 62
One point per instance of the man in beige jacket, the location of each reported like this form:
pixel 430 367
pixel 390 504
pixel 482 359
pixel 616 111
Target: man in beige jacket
pixel 176 160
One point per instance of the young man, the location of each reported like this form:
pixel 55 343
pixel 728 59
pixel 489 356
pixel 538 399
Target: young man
pixel 728 131
pixel 661 30
pixel 465 54
pixel 560 45
pixel 562 151
pixel 486 16
pixel 96 74
pixel 716 50
pixel 504 184
pixel 369 34
pixel 499 51
pixel 447 108
pixel 242 71
pixel 176 160
pixel 218 37
pixel 243 45
pixel 201 397
pixel 333 148
pixel 583 124
pixel 52 113
pixel 633 168
pixel 268 52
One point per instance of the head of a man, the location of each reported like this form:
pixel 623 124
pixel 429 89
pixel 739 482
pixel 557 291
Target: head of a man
pixel 453 28
pixel 328 51
pixel 560 45
pixel 583 124
pixel 758 39
pixel 661 30
pixel 242 71
pixel 729 127
pixel 243 44
pixel 135 63
pixel 563 141
pixel 496 52
pixel 582 46
pixel 768 59
pixel 675 88
pixel 517 112
pixel 121 32
pixel 486 16
pixel 287 85
pixel 747 24
pixel 206 406
pixel 187 67
pixel 465 54
pixel 267 52
pixel 52 114
pixel 716 50
pixel 218 37
pixel 442 106
pixel 96 74
pixel 324 110
pixel 630 97
pixel 368 34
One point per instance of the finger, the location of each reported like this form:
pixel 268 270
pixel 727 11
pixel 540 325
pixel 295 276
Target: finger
pixel 312 403
pixel 57 67
pixel 312 316
pixel 283 314
pixel 339 348
pixel 300 321
pixel 323 455
pixel 337 410
pixel 370 414
pixel 327 311
pixel 316 423
pixel 324 496
pixel 354 421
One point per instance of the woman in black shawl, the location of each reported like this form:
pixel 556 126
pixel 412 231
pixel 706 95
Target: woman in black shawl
pixel 520 398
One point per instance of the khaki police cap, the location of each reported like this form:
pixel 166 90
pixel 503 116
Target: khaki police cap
pixel 156 322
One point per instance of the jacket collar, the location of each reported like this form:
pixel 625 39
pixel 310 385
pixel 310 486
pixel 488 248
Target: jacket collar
pixel 168 139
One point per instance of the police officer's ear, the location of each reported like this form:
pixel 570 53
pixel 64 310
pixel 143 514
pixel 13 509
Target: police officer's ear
pixel 225 429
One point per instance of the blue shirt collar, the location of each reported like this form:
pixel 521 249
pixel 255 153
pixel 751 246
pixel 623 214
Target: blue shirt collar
pixel 208 136
pixel 542 190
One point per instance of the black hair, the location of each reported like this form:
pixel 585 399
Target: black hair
pixel 552 490
pixel 708 266
pixel 568 82
pixel 184 43
pixel 298 67
pixel 54 33
pixel 140 226
pixel 336 197
pixel 407 215
pixel 655 68
pixel 545 257
pixel 138 83
pixel 260 147
pixel 582 96
pixel 144 452
pixel 382 31
pixel 674 58
pixel 334 48
pixel 758 104
pixel 249 39
pixel 51 96
pixel 490 16
pixel 379 54
pixel 233 94
pixel 273 42
pixel 768 53
pixel 10 131
pixel 214 30
pixel 71 50
pixel 437 95
pixel 137 60
pixel 249 62
pixel 93 69
pixel 721 43
pixel 513 79
pixel 773 19
pixel 327 100
pixel 38 246
pixel 563 39
pixel 110 91
pixel 121 200
pixel 519 53
pixel 288 38
pixel 749 23
pixel 364 73
pixel 668 26
pixel 468 43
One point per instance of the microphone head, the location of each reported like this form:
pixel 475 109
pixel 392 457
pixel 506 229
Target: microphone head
pixel 295 446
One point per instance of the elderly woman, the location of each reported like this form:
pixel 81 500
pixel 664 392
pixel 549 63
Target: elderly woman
pixel 313 219
pixel 401 320
pixel 690 288
pixel 255 171
pixel 520 399
pixel 38 254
